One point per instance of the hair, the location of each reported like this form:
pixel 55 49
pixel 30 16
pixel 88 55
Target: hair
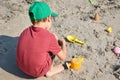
pixel 37 21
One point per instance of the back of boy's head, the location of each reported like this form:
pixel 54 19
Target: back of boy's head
pixel 39 11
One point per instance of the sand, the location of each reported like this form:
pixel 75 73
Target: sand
pixel 76 17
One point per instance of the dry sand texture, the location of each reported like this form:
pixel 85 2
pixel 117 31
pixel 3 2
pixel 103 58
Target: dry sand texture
pixel 76 17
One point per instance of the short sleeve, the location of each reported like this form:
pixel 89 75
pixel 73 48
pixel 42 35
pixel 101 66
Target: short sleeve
pixel 54 46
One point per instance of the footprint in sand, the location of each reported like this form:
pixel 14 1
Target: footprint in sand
pixel 97 35
pixel 29 1
pixel 117 43
pixel 118 35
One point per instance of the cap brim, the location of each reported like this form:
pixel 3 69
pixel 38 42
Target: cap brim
pixel 54 14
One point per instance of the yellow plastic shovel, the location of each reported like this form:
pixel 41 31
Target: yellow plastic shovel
pixel 72 38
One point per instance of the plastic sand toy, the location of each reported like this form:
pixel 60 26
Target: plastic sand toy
pixel 91 1
pixel 117 73
pixel 96 17
pixel 109 30
pixel 116 50
pixel 72 38
pixel 75 63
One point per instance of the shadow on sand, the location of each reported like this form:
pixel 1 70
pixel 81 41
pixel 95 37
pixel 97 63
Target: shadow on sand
pixel 8 56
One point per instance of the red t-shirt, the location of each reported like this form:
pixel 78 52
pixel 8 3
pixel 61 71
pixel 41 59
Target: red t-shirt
pixel 33 49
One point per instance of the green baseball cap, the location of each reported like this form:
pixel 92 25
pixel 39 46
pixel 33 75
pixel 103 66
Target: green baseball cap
pixel 40 10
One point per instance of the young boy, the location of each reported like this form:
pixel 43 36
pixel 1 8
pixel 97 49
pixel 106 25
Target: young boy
pixel 36 44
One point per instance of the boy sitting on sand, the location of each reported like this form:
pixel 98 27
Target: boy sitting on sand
pixel 37 46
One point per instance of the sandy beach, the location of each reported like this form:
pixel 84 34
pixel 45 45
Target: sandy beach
pixel 76 17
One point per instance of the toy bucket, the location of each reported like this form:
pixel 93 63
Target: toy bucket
pixel 75 63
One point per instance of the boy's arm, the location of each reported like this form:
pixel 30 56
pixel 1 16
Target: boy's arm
pixel 62 54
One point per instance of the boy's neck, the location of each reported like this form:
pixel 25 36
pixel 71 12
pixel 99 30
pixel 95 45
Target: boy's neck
pixel 41 25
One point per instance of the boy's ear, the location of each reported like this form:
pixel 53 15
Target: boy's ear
pixel 49 19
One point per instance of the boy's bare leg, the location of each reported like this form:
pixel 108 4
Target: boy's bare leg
pixel 54 70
